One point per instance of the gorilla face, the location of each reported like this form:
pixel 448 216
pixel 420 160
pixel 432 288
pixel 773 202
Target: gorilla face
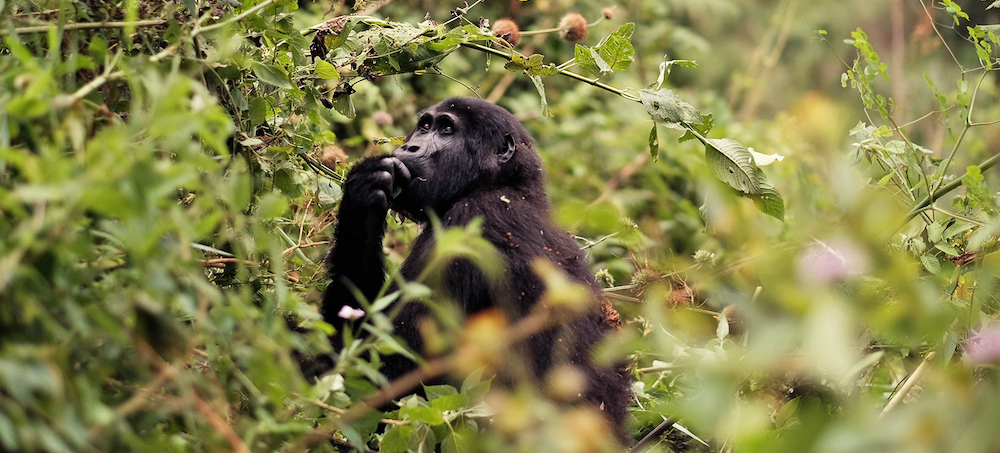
pixel 457 146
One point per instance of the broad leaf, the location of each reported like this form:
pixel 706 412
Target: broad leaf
pixel 325 70
pixel 732 164
pixel 654 143
pixel 667 109
pixel 272 75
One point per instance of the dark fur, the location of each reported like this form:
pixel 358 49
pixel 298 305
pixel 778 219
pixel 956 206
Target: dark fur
pixel 485 167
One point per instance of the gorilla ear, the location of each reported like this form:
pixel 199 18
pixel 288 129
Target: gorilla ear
pixel 506 150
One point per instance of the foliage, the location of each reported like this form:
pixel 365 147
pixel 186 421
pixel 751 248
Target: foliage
pixel 169 170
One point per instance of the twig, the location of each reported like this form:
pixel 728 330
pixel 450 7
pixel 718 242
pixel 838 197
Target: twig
pixel 908 385
pixel 86 26
pixel 941 191
pixel 220 425
pixel 302 246
pixel 660 429
pixel 564 72
pixel 340 411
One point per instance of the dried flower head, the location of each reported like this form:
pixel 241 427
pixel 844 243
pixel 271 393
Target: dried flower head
pixel 573 27
pixel 507 30
pixel 609 12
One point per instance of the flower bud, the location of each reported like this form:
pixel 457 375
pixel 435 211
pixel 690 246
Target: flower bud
pixel 573 27
pixel 507 30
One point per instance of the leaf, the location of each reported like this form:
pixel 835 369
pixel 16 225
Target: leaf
pixel 395 439
pixel 995 4
pixel 654 143
pixel 450 402
pixel 934 232
pixel 271 75
pixel 732 164
pixel 325 70
pixel 769 202
pixel 424 414
pixel 930 263
pixel 438 391
pixel 541 93
pixel 617 52
pixel 586 59
pixel 669 110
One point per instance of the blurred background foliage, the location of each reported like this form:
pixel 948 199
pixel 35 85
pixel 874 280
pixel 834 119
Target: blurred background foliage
pixel 169 174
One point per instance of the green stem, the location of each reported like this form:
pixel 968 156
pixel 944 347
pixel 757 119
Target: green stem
pixel 941 191
pixel 564 72
pixel 87 26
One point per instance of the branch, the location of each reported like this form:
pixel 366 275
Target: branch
pixel 564 72
pixel 941 191
pixel 910 381
pixel 86 26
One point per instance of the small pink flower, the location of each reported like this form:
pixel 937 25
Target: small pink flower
pixel 832 262
pixel 985 347
pixel 349 312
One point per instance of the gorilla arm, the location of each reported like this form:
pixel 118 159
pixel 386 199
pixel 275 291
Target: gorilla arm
pixel 356 259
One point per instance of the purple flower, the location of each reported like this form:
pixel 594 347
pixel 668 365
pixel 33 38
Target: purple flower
pixel 836 260
pixel 984 347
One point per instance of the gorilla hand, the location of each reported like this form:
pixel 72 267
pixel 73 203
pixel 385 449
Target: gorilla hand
pixel 372 184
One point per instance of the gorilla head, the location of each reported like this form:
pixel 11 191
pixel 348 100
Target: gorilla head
pixel 460 145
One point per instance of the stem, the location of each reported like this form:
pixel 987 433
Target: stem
pixel 235 18
pixel 941 191
pixel 910 381
pixel 86 26
pixel 564 72
pixel 552 30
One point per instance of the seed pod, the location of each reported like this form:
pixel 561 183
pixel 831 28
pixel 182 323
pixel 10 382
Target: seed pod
pixel 507 30
pixel 609 13
pixel 573 27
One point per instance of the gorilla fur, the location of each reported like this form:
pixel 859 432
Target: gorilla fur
pixel 469 159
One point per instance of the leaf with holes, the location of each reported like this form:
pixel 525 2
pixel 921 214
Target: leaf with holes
pixel 668 109
pixel 732 164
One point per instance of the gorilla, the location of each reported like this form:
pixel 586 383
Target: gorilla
pixel 469 159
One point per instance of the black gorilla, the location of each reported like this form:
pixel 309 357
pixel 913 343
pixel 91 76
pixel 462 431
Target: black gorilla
pixel 468 158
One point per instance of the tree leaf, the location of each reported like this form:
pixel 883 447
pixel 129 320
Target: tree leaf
pixel 769 202
pixel 732 164
pixel 669 110
pixel 654 143
pixel 325 70
pixel 617 52
pixel 271 75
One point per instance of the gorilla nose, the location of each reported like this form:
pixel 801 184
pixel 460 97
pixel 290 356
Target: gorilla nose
pixel 411 148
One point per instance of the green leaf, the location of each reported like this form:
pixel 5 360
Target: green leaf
pixel 584 58
pixel 769 202
pixel 271 75
pixel 995 4
pixel 733 164
pixel 934 232
pixel 394 440
pixel 450 402
pixel 617 52
pixel 669 110
pixel 930 263
pixel 438 391
pixel 325 70
pixel 428 415
pixel 654 143
pixel 537 81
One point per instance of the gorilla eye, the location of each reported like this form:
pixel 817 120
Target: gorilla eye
pixel 447 130
pixel 425 126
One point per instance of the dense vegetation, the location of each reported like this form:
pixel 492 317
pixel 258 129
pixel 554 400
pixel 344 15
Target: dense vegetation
pixel 793 206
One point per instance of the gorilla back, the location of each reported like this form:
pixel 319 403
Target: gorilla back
pixel 469 159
